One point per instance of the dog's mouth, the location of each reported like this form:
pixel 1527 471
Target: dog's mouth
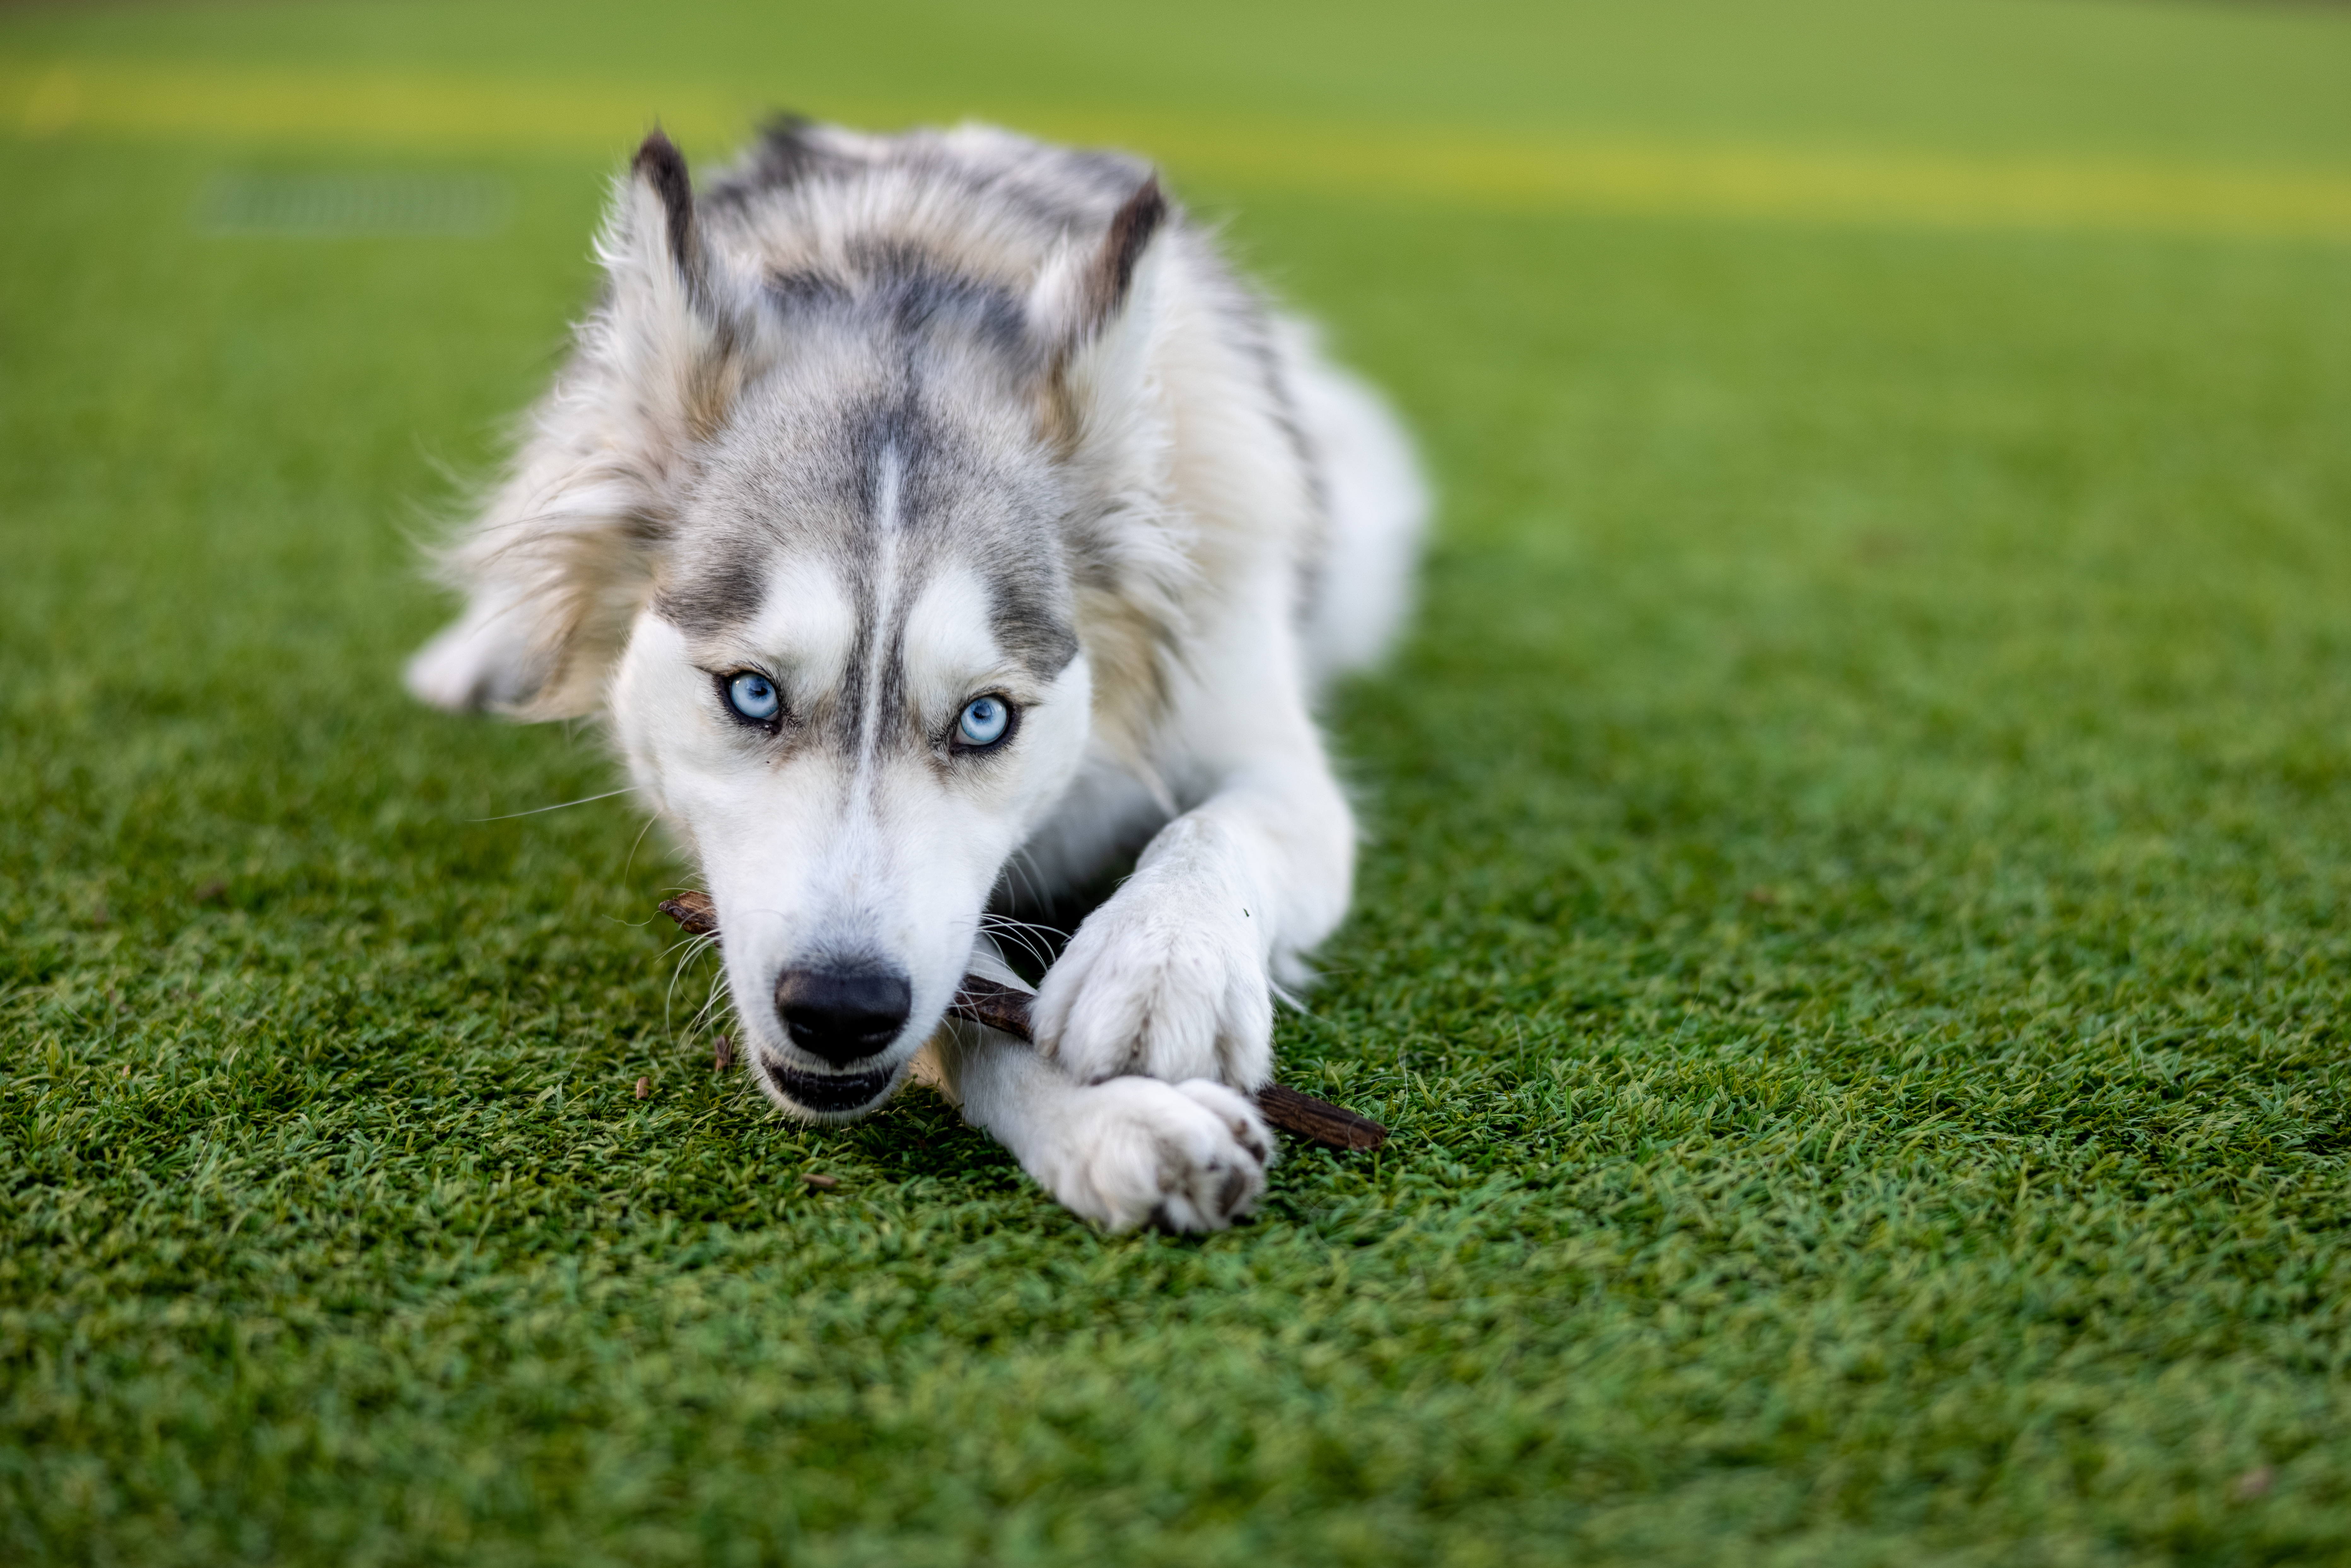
pixel 829 1093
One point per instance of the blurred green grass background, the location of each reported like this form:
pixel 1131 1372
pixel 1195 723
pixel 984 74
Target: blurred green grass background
pixel 1852 941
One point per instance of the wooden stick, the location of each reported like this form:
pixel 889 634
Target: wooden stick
pixel 695 912
pixel 1005 1008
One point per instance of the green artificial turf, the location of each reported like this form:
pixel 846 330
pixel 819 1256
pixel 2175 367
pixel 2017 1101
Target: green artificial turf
pixel 1851 939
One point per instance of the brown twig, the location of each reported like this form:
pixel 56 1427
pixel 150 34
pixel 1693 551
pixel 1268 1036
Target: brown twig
pixel 695 912
pixel 1006 1008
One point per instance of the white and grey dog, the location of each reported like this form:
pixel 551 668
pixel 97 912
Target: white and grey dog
pixel 912 504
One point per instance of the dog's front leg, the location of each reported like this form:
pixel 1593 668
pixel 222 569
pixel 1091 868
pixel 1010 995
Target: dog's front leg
pixel 1173 976
pixel 1189 1156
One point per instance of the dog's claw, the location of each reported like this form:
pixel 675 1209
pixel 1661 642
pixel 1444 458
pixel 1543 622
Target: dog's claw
pixel 1182 1156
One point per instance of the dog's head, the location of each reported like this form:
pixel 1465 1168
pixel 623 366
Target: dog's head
pixel 817 542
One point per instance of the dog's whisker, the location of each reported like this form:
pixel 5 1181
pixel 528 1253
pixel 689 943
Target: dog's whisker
pixel 1022 864
pixel 1034 939
pixel 638 844
pixel 1035 928
pixel 996 926
pixel 710 1001
pixel 1027 942
pixel 559 806
pixel 691 950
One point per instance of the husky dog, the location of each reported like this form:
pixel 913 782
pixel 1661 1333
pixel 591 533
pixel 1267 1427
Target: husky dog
pixel 933 514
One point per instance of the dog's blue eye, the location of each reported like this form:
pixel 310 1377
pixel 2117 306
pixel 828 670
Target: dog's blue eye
pixel 983 721
pixel 753 696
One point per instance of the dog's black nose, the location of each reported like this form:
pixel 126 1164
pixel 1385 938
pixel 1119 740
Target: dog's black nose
pixel 843 1015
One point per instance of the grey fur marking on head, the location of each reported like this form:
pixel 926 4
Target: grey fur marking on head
pixel 723 559
pixel 916 255
pixel 784 155
pixel 919 318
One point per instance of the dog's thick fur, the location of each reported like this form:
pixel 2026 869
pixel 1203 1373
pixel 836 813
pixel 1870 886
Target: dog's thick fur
pixel 898 424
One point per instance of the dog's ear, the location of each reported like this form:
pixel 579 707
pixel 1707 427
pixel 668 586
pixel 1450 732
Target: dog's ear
pixel 676 326
pixel 1094 307
pixel 1098 308
pixel 566 552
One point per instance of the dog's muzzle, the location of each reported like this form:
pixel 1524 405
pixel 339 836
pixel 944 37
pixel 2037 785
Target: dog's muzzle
pixel 846 1017
pixel 843 1016
pixel 829 1093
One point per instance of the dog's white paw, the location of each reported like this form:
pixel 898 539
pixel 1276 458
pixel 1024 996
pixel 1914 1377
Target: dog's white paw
pixel 1188 1157
pixel 474 662
pixel 1162 982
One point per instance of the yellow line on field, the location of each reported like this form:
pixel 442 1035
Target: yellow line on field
pixel 1910 189
pixel 448 115
pixel 439 114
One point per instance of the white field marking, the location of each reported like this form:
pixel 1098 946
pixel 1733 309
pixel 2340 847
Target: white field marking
pixel 1590 173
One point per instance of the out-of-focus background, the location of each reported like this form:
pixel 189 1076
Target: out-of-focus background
pixel 1851 935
